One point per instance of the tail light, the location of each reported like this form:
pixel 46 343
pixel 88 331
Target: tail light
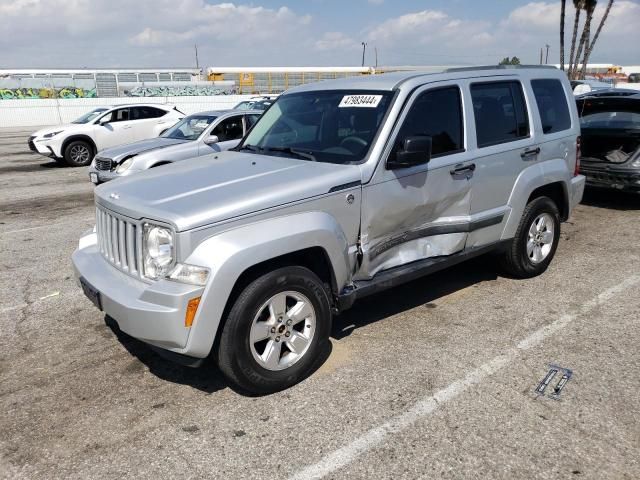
pixel 577 168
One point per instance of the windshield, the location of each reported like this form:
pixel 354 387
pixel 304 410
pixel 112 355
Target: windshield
pixel 87 117
pixel 612 120
pixel 189 128
pixel 246 105
pixel 326 126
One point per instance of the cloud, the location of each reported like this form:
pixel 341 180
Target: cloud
pixel 157 33
pixel 336 41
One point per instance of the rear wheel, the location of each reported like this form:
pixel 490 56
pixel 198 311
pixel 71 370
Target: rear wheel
pixel 535 241
pixel 275 331
pixel 78 153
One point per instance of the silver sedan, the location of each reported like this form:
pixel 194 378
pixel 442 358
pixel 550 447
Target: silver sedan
pixel 196 135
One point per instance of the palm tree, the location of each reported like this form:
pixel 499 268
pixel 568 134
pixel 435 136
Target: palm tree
pixel 562 9
pixel 579 5
pixel 590 46
pixel 590 6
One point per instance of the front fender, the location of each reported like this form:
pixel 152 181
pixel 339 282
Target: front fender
pixel 232 252
pixel 535 176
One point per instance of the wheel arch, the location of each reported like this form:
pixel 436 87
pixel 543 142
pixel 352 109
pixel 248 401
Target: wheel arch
pixel 550 178
pixel 313 240
pixel 73 138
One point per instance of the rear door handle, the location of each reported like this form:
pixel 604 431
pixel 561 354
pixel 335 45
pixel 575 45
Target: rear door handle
pixel 462 169
pixel 532 152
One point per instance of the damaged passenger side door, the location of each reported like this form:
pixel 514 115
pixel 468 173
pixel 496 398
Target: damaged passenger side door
pixel 413 210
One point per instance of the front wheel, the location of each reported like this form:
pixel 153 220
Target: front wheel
pixel 78 154
pixel 535 241
pixel 275 331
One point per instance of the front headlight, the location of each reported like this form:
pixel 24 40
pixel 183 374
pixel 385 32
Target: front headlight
pixel 124 166
pixel 158 251
pixel 52 134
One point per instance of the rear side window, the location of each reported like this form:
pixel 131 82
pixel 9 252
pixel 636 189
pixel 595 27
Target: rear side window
pixel 500 112
pixel 437 114
pixel 142 113
pixel 552 105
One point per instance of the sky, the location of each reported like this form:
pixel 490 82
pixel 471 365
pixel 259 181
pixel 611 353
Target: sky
pixel 162 33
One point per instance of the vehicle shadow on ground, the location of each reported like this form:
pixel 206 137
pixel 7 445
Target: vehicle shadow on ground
pixel 420 292
pixel 33 167
pixel 609 198
pixel 206 378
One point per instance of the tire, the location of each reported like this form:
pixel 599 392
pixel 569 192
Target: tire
pixel 78 153
pixel 523 259
pixel 256 352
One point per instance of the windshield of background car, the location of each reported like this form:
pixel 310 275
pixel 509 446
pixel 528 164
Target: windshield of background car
pixel 327 126
pixel 189 128
pixel 617 113
pixel 246 105
pixel 87 117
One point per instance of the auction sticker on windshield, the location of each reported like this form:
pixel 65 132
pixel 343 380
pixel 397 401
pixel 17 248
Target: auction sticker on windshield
pixel 370 101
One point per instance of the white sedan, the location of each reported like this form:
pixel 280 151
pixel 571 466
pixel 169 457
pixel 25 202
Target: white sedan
pixel 76 143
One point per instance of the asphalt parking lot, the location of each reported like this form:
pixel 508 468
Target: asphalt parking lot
pixel 435 379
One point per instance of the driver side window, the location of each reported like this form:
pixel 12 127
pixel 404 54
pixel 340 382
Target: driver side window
pixel 436 114
pixel 120 115
pixel 229 129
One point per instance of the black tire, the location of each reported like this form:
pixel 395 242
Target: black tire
pixel 78 153
pixel 234 354
pixel 515 261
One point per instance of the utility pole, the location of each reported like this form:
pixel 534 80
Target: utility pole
pixel 364 49
pixel 546 58
pixel 541 56
pixel 197 63
pixel 376 50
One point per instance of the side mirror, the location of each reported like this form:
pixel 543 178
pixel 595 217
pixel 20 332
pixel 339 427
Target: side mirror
pixel 211 139
pixel 415 151
pixel 104 120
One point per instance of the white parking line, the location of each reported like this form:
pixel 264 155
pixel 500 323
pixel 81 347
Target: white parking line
pixel 23 305
pixel 370 439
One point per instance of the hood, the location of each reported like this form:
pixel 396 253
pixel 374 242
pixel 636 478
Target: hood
pixel 222 186
pixel 56 128
pixel 119 153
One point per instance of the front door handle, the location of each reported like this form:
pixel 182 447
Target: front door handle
pixel 463 169
pixel 532 152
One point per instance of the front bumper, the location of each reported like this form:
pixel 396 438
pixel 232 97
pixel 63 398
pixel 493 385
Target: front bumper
pixel 102 175
pixel 151 312
pixel 48 148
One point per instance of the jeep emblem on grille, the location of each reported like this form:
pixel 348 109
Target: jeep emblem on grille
pixel 114 195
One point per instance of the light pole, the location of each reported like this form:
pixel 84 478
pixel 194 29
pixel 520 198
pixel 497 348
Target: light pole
pixel 546 57
pixel 364 49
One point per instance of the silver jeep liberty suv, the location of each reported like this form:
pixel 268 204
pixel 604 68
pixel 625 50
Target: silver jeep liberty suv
pixel 341 189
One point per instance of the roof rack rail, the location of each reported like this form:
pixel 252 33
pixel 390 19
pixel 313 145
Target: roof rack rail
pixel 495 67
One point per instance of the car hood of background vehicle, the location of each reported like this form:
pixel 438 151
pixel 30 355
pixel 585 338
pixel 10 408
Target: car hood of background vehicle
pixel 218 187
pixel 119 153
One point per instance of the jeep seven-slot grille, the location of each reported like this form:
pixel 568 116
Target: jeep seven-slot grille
pixel 104 163
pixel 119 242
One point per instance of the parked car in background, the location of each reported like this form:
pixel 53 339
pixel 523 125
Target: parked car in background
pixel 256 103
pixel 341 189
pixel 193 136
pixel 610 123
pixel 76 143
pixel 588 85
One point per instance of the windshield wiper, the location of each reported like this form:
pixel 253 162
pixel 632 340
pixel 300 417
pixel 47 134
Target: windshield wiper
pixel 292 151
pixel 251 148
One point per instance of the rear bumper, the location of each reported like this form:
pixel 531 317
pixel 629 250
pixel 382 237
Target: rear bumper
pixel 618 179
pixel 151 312
pixel 577 191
